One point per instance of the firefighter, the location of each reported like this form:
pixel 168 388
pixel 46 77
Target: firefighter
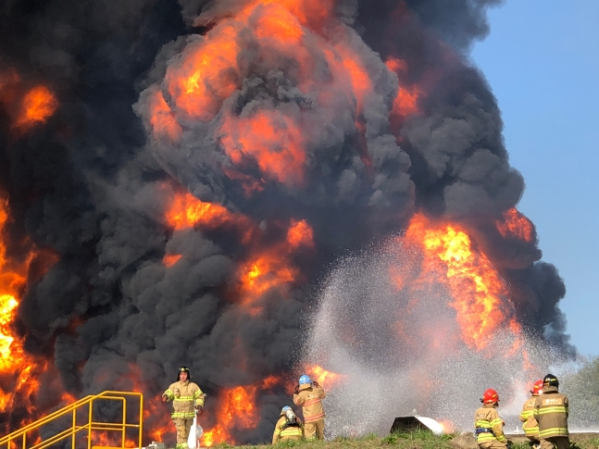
pixel 309 394
pixel 531 426
pixel 551 411
pixel 288 428
pixel 188 400
pixel 488 426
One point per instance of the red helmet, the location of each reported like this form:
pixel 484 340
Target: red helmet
pixel 537 388
pixel 490 396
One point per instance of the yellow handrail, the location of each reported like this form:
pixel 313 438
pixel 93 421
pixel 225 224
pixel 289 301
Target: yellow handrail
pixel 90 426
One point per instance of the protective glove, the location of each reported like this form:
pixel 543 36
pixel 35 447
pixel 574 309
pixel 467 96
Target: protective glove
pixel 199 409
pixel 164 398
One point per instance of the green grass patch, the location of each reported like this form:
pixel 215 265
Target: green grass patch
pixel 403 440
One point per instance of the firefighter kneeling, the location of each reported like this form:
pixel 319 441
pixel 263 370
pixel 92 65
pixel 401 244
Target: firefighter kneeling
pixel 288 428
pixel 488 425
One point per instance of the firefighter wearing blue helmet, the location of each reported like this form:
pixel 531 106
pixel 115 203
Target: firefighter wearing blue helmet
pixel 309 395
pixel 288 428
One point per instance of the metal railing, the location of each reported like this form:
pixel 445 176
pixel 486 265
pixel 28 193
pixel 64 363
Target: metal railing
pixel 90 426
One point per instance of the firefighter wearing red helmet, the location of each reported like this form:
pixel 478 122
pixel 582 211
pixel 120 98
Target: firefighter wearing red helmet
pixel 551 411
pixel 188 400
pixel 488 425
pixel 531 426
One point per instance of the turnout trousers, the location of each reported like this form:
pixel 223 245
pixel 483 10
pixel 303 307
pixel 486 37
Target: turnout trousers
pixel 493 445
pixel 555 443
pixel 314 430
pixel 183 426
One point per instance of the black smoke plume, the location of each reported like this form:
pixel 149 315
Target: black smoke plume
pixel 93 184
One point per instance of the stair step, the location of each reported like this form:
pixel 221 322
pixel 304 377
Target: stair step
pixel 106 447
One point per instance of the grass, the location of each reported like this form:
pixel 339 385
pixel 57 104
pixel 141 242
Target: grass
pixel 411 440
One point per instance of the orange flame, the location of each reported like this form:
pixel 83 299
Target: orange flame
pixel 171 259
pixel 324 377
pixel 27 106
pixel 17 368
pixel 162 120
pixel 38 105
pixel 280 24
pixel 269 269
pixel 8 305
pixel 354 68
pixel 270 382
pixel 480 296
pixel 236 409
pixel 300 233
pixel 515 224
pixel 396 65
pixel 161 425
pixel 157 421
pixel 187 211
pixel 406 101
pixel 271 139
pixel 207 75
pixel 308 12
pixel 448 426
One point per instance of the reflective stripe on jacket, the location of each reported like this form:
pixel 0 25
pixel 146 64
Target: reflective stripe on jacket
pixel 486 417
pixel 283 432
pixel 531 426
pixel 551 411
pixel 309 397
pixel 185 396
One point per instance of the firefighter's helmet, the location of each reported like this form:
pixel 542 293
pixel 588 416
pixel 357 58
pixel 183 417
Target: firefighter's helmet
pixel 305 379
pixel 550 381
pixel 289 414
pixel 537 388
pixel 183 369
pixel 490 396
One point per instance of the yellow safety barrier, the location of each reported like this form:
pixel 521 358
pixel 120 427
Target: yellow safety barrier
pixel 75 428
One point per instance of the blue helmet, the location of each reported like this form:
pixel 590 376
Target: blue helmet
pixel 305 379
pixel 284 409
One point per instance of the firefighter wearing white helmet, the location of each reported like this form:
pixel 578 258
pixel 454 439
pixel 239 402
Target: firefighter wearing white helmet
pixel 187 400
pixel 309 394
pixel 288 428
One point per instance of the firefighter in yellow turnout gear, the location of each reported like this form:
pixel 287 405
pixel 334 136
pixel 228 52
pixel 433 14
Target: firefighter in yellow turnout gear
pixel 288 428
pixel 531 426
pixel 488 425
pixel 309 395
pixel 187 400
pixel 551 411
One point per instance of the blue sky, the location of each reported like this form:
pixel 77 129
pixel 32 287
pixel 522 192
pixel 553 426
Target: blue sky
pixel 542 62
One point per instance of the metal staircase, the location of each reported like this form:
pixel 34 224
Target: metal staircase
pixel 78 418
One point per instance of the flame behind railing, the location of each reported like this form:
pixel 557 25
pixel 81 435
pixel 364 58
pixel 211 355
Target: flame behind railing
pixel 76 428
